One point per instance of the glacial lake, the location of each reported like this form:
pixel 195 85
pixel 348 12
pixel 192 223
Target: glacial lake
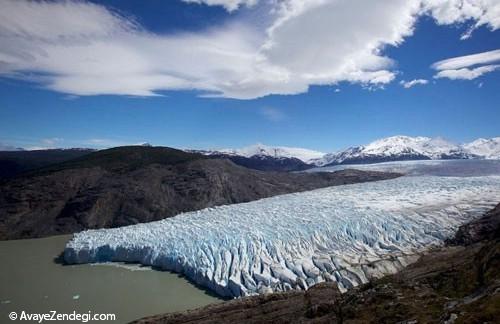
pixel 31 280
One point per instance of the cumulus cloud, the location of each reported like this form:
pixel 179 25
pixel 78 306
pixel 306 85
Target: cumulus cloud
pixel 467 67
pixel 409 84
pixel 476 12
pixel 81 48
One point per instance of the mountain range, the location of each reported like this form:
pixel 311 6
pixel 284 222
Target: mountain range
pixel 267 158
pixel 281 158
pixel 394 148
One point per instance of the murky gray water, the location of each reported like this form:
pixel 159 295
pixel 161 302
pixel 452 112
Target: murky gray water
pixel 30 280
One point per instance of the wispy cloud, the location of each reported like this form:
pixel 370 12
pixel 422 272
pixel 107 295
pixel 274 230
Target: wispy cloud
pixel 466 73
pixel 273 114
pixel 58 142
pixel 43 143
pixel 8 147
pixel 52 141
pixel 81 48
pixel 108 142
pixel 467 67
pixel 468 60
pixel 230 5
pixel 412 83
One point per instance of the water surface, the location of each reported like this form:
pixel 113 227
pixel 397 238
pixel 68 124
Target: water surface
pixel 30 280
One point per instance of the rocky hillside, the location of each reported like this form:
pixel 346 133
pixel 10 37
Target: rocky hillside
pixel 135 184
pixel 453 284
pixel 13 163
pixel 264 162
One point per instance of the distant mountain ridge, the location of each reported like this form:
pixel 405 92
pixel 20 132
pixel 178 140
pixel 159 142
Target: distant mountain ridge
pixel 486 148
pixel 404 148
pixel 394 148
pixel 305 155
pixel 267 158
pixel 285 159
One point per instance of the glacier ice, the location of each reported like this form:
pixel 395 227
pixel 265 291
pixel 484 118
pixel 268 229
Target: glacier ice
pixel 448 168
pixel 348 234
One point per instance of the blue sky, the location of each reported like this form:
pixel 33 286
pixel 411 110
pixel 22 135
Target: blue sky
pixel 300 91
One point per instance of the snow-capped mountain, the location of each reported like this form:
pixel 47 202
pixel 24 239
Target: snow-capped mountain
pixel 394 148
pixel 486 148
pixel 433 148
pixel 401 148
pixel 305 155
pixel 268 158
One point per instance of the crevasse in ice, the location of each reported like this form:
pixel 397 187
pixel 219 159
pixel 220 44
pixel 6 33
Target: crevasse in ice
pixel 348 234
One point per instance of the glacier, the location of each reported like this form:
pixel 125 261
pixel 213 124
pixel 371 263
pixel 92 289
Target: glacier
pixel 348 234
pixel 449 168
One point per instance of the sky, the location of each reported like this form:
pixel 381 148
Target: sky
pixel 208 74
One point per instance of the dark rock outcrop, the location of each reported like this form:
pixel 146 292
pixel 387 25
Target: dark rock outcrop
pixel 129 185
pixel 484 228
pixel 453 284
pixel 267 163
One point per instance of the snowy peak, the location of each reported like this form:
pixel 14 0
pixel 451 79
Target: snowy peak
pixel 277 152
pixel 394 148
pixel 302 154
pixel 426 146
pixel 400 148
pixel 487 148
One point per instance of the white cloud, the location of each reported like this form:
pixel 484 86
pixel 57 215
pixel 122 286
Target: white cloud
pixel 230 5
pixel 409 84
pixel 465 73
pixel 107 143
pixel 467 67
pixel 79 48
pixel 468 60
pixel 324 42
pixel 476 12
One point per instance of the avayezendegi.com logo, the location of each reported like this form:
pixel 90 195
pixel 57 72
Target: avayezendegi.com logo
pixel 55 316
